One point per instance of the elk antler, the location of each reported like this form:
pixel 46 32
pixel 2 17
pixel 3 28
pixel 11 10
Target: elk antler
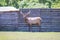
pixel 24 15
pixel 21 13
pixel 28 13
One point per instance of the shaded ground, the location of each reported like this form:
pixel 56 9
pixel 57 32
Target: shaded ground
pixel 29 35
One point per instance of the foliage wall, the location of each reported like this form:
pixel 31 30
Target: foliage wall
pixel 31 3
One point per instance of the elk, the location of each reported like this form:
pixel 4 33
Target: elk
pixel 31 20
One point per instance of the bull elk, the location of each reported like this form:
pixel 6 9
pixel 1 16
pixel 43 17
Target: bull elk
pixel 31 20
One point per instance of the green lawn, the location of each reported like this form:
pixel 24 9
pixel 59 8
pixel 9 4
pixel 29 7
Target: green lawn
pixel 29 35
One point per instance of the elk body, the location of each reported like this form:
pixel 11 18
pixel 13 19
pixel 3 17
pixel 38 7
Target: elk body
pixel 31 20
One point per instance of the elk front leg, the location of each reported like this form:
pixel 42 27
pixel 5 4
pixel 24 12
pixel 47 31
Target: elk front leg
pixel 39 26
pixel 30 27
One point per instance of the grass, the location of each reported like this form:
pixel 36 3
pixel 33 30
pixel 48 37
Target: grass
pixel 29 35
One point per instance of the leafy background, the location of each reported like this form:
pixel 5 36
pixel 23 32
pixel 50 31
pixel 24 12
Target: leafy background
pixel 31 3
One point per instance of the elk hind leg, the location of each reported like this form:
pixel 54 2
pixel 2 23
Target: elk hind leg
pixel 39 26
